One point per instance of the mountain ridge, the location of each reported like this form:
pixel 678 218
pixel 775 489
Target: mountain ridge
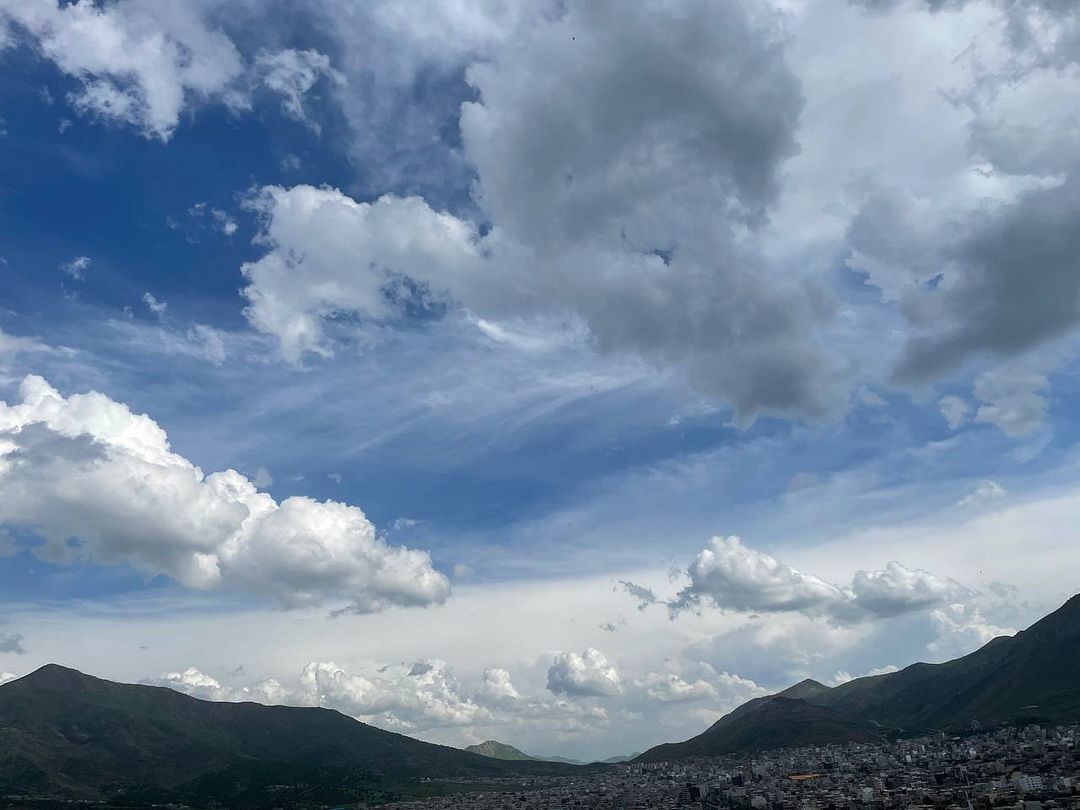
pixel 64 733
pixel 1027 676
pixel 501 750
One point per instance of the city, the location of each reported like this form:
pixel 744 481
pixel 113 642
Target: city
pixel 1030 768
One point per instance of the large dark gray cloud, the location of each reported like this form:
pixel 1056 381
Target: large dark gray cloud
pixel 991 277
pixel 626 157
pixel 1017 284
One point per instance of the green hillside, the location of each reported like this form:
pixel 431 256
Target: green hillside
pixel 63 733
pixel 1031 676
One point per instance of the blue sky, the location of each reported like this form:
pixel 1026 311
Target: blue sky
pixel 494 310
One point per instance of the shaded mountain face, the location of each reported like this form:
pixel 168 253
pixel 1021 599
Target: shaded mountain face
pixel 63 733
pixel 1030 677
pixel 498 750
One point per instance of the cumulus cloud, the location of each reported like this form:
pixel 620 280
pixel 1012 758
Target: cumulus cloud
pixel 632 192
pixel 669 688
pixel 732 576
pixel 292 73
pixel 588 674
pixel 146 63
pixel 7 676
pixel 98 482
pixel 135 62
pixel 425 697
pixel 711 686
pixel 842 677
pixel 986 269
pixel 621 191
pixel 499 686
pixel 333 255
pixel 426 693
pixel 960 629
pixel 896 590
pixel 197 684
pixel 1011 285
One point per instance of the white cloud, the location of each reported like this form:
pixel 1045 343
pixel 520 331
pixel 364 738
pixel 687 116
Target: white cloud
pixel 985 490
pixel 668 687
pixel 198 340
pixel 77 267
pixel 332 255
pixel 423 697
pixel 146 63
pixel 1011 399
pixel 139 63
pixel 960 629
pixel 155 306
pixel 896 590
pixel 842 677
pixel 426 694
pixel 11 346
pixel 717 688
pixel 292 73
pixel 955 410
pixel 731 576
pixel 197 684
pixel 624 193
pixel 589 674
pixel 698 253
pixel 7 676
pixel 224 221
pixel 499 686
pixel 204 342
pixel 99 482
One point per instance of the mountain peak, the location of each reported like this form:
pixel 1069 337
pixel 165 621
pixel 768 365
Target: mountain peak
pixel 498 750
pixel 804 689
pixel 54 674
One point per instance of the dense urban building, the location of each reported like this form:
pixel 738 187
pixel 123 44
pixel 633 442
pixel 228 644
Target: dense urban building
pixel 1030 768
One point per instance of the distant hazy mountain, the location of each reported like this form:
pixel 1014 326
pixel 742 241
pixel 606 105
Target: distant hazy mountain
pixel 617 760
pixel 68 734
pixel 498 750
pixel 1031 676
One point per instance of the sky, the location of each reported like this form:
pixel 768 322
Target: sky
pixel 561 372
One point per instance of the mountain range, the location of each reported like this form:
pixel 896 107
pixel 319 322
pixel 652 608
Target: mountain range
pixel 63 733
pixel 499 750
pixel 66 734
pixel 1032 676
